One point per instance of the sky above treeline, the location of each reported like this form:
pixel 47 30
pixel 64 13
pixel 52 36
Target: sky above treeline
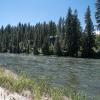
pixel 33 11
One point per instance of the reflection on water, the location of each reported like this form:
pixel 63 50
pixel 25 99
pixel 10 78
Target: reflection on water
pixel 82 74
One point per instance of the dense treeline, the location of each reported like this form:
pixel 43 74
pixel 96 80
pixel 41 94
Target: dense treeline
pixel 63 39
pixel 98 13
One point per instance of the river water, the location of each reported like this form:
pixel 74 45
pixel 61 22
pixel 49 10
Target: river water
pixel 82 74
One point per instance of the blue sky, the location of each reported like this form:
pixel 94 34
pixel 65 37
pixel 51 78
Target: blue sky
pixel 15 11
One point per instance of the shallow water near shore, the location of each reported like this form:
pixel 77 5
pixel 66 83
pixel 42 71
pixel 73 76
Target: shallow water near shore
pixel 81 74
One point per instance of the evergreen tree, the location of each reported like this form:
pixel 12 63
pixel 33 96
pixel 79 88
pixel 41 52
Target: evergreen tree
pixel 1 38
pixel 61 28
pixel 77 30
pixel 72 33
pixel 89 37
pixel 68 27
pixel 35 48
pixel 45 47
pixel 98 12
pixel 57 47
pixel 52 28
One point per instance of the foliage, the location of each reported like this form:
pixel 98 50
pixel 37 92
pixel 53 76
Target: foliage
pixel 42 37
pixel 57 47
pixel 98 12
pixel 73 31
pixel 45 47
pixel 89 36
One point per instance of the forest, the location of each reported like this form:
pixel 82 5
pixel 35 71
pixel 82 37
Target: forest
pixel 65 38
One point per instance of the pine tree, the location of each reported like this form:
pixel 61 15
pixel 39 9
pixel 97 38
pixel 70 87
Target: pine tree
pixel 45 47
pixel 35 47
pixel 57 47
pixel 61 28
pixel 77 30
pixel 98 13
pixel 1 38
pixel 72 33
pixel 89 36
pixel 68 27
pixel 52 28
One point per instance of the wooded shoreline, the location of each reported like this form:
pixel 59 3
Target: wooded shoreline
pixel 66 38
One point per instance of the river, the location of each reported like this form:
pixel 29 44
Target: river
pixel 82 74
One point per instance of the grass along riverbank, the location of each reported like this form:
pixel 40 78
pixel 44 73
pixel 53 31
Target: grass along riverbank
pixel 29 89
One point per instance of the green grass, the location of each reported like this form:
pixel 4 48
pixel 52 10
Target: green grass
pixel 23 82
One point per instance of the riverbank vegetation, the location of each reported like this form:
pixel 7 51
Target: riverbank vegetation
pixel 39 89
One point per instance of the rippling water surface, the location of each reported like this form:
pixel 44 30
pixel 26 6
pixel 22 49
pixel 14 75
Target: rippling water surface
pixel 82 74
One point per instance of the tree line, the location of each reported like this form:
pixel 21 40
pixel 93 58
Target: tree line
pixel 66 38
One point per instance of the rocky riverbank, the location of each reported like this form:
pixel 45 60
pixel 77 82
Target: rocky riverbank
pixel 21 87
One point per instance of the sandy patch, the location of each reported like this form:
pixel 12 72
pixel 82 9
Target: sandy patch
pixel 7 95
